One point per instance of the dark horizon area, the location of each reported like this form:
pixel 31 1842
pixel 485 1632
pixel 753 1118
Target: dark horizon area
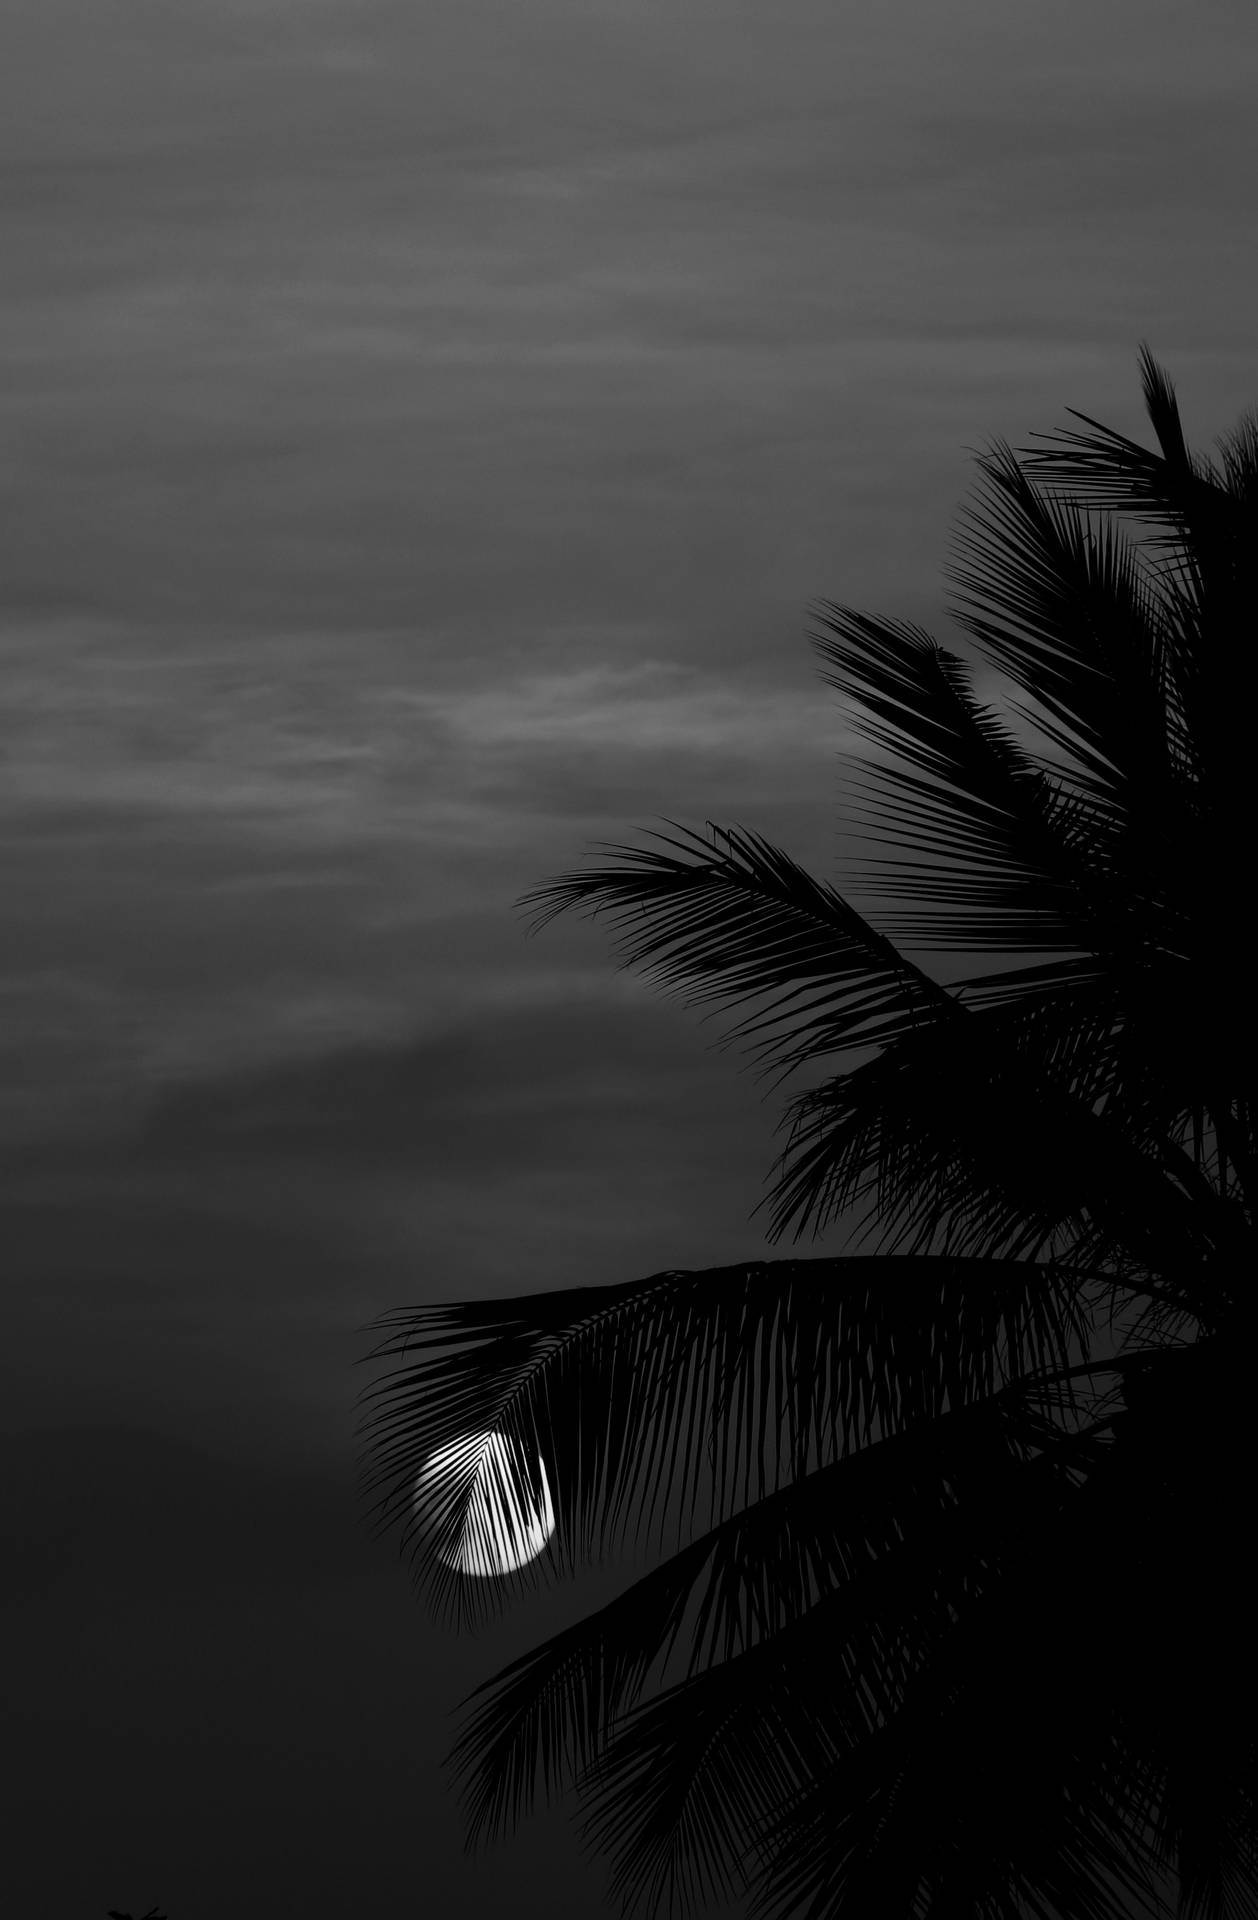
pixel 425 430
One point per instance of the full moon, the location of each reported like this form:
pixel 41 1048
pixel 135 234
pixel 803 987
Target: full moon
pixel 500 1534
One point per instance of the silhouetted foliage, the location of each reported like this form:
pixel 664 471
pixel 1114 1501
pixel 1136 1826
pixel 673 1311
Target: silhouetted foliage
pixel 966 1628
pixel 152 1914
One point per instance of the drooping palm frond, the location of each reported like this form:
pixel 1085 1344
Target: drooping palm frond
pixel 829 1614
pixel 959 1640
pixel 710 1386
pixel 842 1570
pixel 1100 1751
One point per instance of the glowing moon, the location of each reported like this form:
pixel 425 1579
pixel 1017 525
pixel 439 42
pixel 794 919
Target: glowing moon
pixel 500 1534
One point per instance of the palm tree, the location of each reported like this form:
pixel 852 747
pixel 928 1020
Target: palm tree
pixel 965 1630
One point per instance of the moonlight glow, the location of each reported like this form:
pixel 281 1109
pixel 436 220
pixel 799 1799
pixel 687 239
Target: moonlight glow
pixel 500 1534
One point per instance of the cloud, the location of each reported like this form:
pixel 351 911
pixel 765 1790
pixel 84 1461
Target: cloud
pixel 341 325
pixel 496 1096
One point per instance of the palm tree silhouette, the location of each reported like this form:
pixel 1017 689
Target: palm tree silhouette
pixel 966 1629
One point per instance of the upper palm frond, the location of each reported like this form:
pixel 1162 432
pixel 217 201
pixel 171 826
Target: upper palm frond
pixel 984 820
pixel 743 920
pixel 1210 522
pixel 1175 489
pixel 746 920
pixel 1065 612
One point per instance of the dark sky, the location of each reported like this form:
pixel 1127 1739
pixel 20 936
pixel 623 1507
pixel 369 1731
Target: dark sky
pixel 424 427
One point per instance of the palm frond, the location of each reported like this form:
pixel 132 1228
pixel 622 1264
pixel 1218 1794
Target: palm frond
pixel 969 802
pixel 1213 529
pixel 647 1398
pixel 1076 626
pixel 935 1813
pixel 827 1532
pixel 1073 1774
pixel 1238 452
pixel 686 1783
pixel 743 921
pixel 988 1139
pixel 747 922
pixel 1108 472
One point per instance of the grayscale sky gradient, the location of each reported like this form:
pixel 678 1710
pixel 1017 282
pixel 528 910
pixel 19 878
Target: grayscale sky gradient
pixel 424 428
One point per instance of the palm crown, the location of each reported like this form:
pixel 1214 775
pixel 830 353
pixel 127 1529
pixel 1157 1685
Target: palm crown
pixel 962 1630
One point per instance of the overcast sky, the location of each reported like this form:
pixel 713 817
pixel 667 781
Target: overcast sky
pixel 424 429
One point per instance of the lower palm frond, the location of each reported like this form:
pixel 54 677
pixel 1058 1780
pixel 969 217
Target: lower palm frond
pixel 827 1558
pixel 949 1712
pixel 1085 1726
pixel 648 1399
